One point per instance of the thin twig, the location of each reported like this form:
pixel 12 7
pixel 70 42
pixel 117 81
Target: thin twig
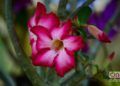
pixel 21 56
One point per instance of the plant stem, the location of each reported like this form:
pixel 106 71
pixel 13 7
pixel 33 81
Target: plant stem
pixel 62 9
pixel 77 70
pixel 21 56
pixel 73 4
pixel 88 2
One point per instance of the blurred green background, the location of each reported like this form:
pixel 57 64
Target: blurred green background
pixel 10 71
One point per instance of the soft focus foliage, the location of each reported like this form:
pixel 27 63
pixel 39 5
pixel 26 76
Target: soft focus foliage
pixel 42 32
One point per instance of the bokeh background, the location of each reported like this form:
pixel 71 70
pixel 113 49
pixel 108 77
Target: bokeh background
pixel 103 13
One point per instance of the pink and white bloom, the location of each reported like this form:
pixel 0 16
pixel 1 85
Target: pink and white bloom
pixel 41 18
pixel 97 33
pixel 56 47
pixel 51 42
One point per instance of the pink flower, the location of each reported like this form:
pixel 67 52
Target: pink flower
pixel 56 47
pixel 52 45
pixel 97 33
pixel 41 18
pixel 51 42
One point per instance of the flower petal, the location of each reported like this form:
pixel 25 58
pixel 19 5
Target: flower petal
pixel 34 48
pixel 73 43
pixel 40 31
pixel 104 38
pixel 32 36
pixel 40 11
pixel 64 62
pixel 45 58
pixel 33 39
pixel 31 22
pixel 49 21
pixel 61 32
pixel 44 39
pixel 100 35
pixel 41 43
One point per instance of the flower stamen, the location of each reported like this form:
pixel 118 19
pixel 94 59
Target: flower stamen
pixel 57 44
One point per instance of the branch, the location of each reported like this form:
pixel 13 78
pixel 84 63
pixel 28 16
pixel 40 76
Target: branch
pixel 88 2
pixel 22 58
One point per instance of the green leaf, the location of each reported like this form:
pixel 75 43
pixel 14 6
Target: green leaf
pixel 84 14
pixel 62 13
pixel 82 33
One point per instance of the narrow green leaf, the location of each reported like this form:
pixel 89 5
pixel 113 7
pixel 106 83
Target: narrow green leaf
pixel 62 9
pixel 84 14
pixel 87 3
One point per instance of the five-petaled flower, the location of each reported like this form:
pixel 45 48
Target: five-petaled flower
pixel 52 43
